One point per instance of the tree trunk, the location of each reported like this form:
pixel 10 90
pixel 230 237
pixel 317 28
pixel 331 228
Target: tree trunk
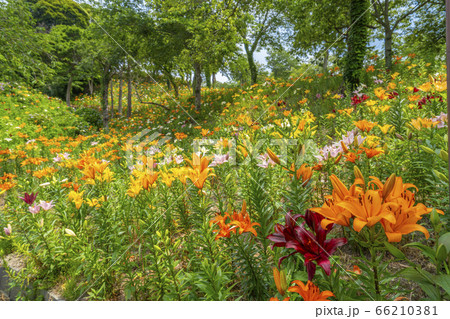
pixel 104 95
pixel 129 92
pixel 214 80
pixel 357 43
pixel 120 93
pixel 388 48
pixel 387 37
pixel 112 98
pixel 208 77
pixel 168 84
pixel 69 90
pixel 251 64
pixel 91 86
pixel 171 80
pixel 197 85
pixel 188 81
pixel 325 61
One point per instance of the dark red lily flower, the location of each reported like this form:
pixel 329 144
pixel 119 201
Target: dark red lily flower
pixel 415 90
pixel 29 198
pixel 392 95
pixel 311 244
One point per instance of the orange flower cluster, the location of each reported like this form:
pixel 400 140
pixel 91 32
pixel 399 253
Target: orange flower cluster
pixel 422 123
pixel 34 161
pixel 97 170
pixel 145 177
pixel 365 125
pixel 239 221
pixel 200 170
pixel 180 136
pixel 44 172
pixel 7 182
pixel 310 292
pixel 304 173
pixel 391 204
pixel 6 151
pixel 352 156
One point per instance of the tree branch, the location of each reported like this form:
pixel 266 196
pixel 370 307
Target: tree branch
pixel 408 13
pixel 152 103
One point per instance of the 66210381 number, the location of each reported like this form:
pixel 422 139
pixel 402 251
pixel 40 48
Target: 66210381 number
pixel 406 310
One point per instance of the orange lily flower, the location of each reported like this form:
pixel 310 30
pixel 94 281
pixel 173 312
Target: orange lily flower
pixel 405 223
pixel 365 126
pixel 200 170
pixel 135 187
pixel 76 198
pixel 304 172
pixel 242 220
pixel 89 172
pixel 276 299
pixel 369 210
pixel 237 220
pixel 310 292
pixel 147 180
pixel 385 128
pixel 351 157
pixel 333 214
pixel 371 152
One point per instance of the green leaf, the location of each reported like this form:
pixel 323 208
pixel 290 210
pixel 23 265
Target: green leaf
pixel 444 282
pixel 427 251
pixel 441 253
pixel 414 275
pixel 445 240
pixel 431 291
pixel 394 251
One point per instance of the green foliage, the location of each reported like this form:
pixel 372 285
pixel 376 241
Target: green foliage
pixel 90 115
pixel 357 42
pixel 33 114
pixel 49 13
pixel 281 63
pixel 22 50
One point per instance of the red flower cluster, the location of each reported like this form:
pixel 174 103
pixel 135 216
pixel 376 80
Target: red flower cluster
pixel 427 99
pixel 311 244
pixel 358 100
pixel 392 95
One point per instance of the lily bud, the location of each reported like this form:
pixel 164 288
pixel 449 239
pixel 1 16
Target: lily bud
pixel 338 187
pixel 388 186
pixel 443 155
pixel 338 159
pixel 280 280
pixel 426 149
pixel 272 156
pixel 434 217
pixel 244 207
pixel 8 230
pixel 229 209
pixel 70 233
pixel 358 173
pixel 344 148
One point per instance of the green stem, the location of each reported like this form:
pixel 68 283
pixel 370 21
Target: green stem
pixel 374 263
pixel 43 238
pixel 247 258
